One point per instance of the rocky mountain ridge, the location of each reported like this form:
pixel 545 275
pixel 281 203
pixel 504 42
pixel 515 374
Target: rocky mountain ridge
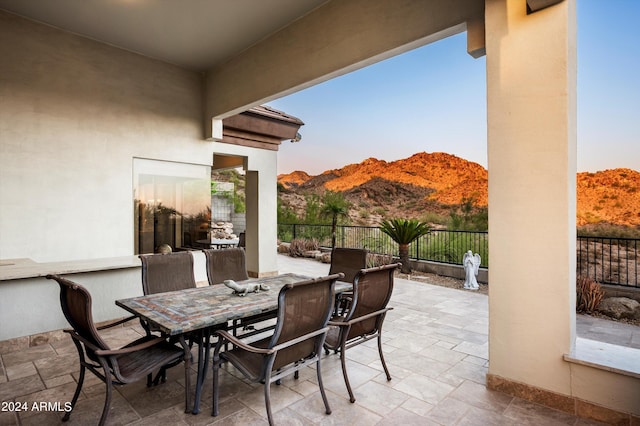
pixel 436 182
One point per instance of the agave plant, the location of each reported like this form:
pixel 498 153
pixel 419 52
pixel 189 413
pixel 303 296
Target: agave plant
pixel 404 232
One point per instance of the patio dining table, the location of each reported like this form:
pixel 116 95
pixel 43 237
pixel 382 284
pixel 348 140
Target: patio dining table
pixel 203 310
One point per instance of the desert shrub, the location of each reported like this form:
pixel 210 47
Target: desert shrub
pixel 609 230
pixel 312 244
pixel 468 217
pixel 588 294
pixel 374 259
pixel 300 246
pixel 433 217
pixel 450 247
pixel 380 211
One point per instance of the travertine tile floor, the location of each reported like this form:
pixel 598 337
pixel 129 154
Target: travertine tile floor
pixel 435 345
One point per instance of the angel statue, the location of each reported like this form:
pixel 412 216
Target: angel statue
pixel 471 264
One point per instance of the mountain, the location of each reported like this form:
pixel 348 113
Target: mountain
pixel 436 182
pixel 611 196
pixel 293 179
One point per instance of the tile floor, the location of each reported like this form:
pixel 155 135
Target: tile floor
pixel 435 345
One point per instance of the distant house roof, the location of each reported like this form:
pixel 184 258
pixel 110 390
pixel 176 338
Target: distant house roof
pixel 267 111
pixel 261 127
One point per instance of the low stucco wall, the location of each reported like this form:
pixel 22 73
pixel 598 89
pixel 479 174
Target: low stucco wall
pixel 619 291
pixel 447 270
pixel 30 304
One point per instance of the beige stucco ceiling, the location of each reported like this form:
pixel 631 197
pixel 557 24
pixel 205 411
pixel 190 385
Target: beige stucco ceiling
pixel 194 34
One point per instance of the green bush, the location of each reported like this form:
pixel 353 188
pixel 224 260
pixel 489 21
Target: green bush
pixel 467 217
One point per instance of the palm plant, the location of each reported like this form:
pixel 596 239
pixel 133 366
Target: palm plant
pixel 404 232
pixel 334 205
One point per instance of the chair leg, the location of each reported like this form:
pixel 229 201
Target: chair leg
pixel 216 384
pixel 204 349
pixel 161 377
pixel 324 395
pixel 343 361
pixel 187 378
pixel 267 398
pixel 76 394
pixel 107 399
pixel 384 364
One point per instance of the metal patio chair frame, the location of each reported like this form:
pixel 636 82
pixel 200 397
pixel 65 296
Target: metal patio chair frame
pixel 304 309
pixel 372 288
pixel 127 364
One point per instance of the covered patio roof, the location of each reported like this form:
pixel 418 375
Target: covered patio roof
pixel 195 35
pixel 79 109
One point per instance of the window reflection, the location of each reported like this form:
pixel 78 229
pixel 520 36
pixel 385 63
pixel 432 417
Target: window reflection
pixel 172 204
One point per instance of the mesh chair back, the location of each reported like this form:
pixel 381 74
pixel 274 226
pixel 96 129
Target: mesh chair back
pixel 226 264
pixel 372 290
pixel 349 261
pixel 75 301
pixel 167 272
pixel 303 307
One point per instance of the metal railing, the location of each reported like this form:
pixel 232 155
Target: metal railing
pixel 609 260
pixel 438 246
pixel 613 261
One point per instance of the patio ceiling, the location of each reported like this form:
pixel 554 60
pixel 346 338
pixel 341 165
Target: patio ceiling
pixel 193 34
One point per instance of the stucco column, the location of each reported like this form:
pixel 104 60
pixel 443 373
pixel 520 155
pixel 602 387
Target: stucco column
pixel 261 202
pixel 531 107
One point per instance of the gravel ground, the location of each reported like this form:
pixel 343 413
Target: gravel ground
pixel 442 281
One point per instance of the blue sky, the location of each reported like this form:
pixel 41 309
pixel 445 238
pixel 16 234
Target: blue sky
pixel 434 99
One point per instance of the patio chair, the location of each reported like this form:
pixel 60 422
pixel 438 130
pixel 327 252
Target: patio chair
pixel 162 273
pixel 167 272
pixel 304 308
pixel 349 261
pixel 230 264
pixel 128 364
pixel 363 320
pixel 227 264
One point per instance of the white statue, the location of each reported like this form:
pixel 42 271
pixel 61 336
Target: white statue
pixel 471 264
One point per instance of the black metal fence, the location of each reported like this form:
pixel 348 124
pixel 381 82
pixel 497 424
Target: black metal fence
pixel 438 246
pixel 607 260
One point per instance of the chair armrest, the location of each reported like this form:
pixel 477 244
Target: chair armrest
pixel 299 339
pixel 113 324
pixel 237 342
pixel 234 340
pixel 76 336
pixel 361 318
pixel 129 349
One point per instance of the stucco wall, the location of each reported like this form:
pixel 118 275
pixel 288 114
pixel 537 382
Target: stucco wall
pixel 73 115
pixel 532 151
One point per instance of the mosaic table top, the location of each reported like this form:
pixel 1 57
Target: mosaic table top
pixel 183 311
